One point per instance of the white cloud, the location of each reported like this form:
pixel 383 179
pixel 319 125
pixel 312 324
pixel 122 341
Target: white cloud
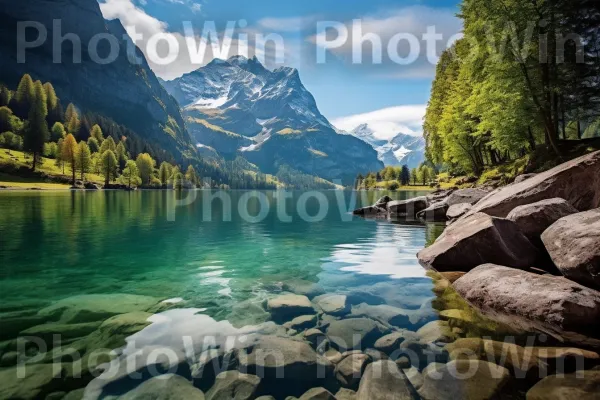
pixel 387 122
pixel 292 24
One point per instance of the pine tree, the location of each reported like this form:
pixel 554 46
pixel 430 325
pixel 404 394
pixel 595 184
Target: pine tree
pixel 164 173
pixel 191 176
pixel 60 161
pixel 121 154
pixel 37 133
pixel 72 119
pixel 51 99
pixel 405 175
pixel 58 132
pixel 5 96
pixel 93 145
pixel 83 161
pixel 414 176
pixel 24 97
pixel 108 144
pixel 69 153
pixel 109 166
pixel 146 166
pixel 130 174
pixel 96 133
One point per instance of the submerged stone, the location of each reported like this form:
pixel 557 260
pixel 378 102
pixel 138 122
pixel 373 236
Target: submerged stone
pixel 164 387
pixel 355 333
pixel 233 385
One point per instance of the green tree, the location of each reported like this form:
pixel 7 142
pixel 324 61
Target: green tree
pixel 9 121
pixel 83 159
pixel 60 161
pixel 130 174
pixel 191 176
pixel 24 97
pixel 93 145
pixel 145 164
pixel 51 98
pixel 164 172
pixel 50 150
pixel 405 175
pixel 72 119
pixel 69 153
pixel 37 133
pixel 414 176
pixel 5 96
pixel 425 174
pixel 11 141
pixel 121 154
pixel 58 132
pixel 108 144
pixel 109 166
pixel 96 133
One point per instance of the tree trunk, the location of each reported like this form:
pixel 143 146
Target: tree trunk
pixel 531 137
pixel 579 135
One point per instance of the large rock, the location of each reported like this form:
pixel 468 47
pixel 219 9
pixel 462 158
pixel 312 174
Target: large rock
pixel 354 333
pixel 391 343
pixel 382 202
pixel 302 323
pixel 345 394
pixel 371 212
pixel 476 240
pixel 434 213
pixel 96 307
pixel 383 380
pixel 349 371
pixel 333 304
pixel 469 196
pixel 435 332
pixel 385 314
pixel 523 177
pixel 288 306
pixel 285 365
pixel 577 181
pixel 233 385
pixel 318 393
pixel 210 364
pixel 573 243
pixel 408 209
pixel 164 387
pixel 527 301
pixel 302 287
pixel 584 385
pixel 464 379
pixel 533 219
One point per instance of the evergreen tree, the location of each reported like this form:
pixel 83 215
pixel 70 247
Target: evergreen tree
pixel 58 132
pixel 5 96
pixel 191 176
pixel 37 133
pixel 96 133
pixel 164 173
pixel 51 99
pixel 24 97
pixel 60 161
pixel 414 176
pixel 405 176
pixel 83 161
pixel 130 174
pixel 425 174
pixel 145 164
pixel 69 153
pixel 121 154
pixel 72 119
pixel 93 145
pixel 109 166
pixel 108 144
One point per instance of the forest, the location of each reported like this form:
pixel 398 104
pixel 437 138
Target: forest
pixel 522 84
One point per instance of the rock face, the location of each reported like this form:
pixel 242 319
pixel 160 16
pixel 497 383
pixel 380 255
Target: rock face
pixel 533 219
pixel 577 181
pixel 383 380
pixel 469 196
pixel 165 387
pixel 354 333
pixel 531 302
pixel 523 177
pixel 407 208
pixel 126 92
pixel 463 379
pixel 476 240
pixel 573 386
pixel 573 243
pixel 457 210
pixel 288 306
pixel 233 385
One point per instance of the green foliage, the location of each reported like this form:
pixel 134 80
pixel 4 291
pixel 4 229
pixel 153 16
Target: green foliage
pixel 51 98
pixel 58 132
pixel 83 159
pixel 145 164
pixel 300 181
pixel 50 150
pixel 96 133
pixel 130 175
pixel 593 130
pixel 109 166
pixel 121 154
pixel 93 145
pixel 164 172
pixel 11 141
pixel 414 176
pixel 108 144
pixel 393 185
pixel 405 175
pixel 9 121
pixel 68 153
pixel 36 133
pixel 5 96
pixel 72 119
pixel 24 95
pixel 191 176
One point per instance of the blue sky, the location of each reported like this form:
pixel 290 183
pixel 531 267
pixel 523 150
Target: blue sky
pixel 387 95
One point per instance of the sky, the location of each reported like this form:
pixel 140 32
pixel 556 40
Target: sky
pixel 388 89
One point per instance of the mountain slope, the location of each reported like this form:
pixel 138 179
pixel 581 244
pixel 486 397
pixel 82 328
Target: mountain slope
pixel 402 149
pixel 130 94
pixel 239 107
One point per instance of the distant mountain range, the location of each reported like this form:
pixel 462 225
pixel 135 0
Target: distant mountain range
pixel 239 107
pixel 402 149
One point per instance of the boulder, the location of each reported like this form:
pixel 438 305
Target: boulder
pixel 408 209
pixel 333 304
pixel 317 393
pixel 584 385
pixel 457 210
pixel 376 355
pixel 577 181
pixel 345 394
pixel 333 355
pixel 349 371
pixel 383 380
pixel 354 333
pixel 164 387
pixel 414 376
pixel 434 213
pixel 476 240
pixel 452 276
pixel 304 288
pixel 469 196
pixel 233 385
pixel 209 365
pixel 439 195
pixel 96 307
pixel 390 343
pixel 385 314
pixel 382 202
pixel 464 379
pixel 302 322
pixel 435 332
pixel 567 359
pixel 371 211
pixel 288 306
pixel 530 302
pixel 533 219
pixel 285 364
pixel 573 243
pixel 523 177
pixel 314 336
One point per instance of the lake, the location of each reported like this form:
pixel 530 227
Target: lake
pixel 98 267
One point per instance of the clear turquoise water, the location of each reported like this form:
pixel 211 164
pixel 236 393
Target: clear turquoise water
pixel 60 244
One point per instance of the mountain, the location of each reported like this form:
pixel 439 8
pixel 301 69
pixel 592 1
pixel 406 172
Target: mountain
pixel 128 93
pixel 239 107
pixel 402 149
